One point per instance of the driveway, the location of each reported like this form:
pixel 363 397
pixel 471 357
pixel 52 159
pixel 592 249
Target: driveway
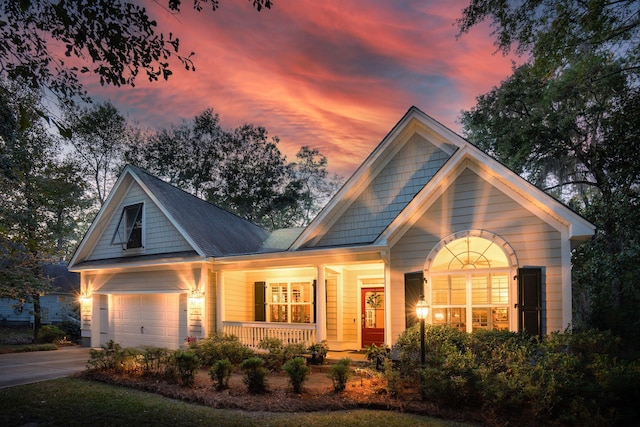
pixel 31 367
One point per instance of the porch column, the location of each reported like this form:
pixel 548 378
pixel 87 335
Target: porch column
pixel 220 314
pixel 388 333
pixel 321 305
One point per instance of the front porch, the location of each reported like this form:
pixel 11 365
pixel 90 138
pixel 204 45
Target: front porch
pixel 251 334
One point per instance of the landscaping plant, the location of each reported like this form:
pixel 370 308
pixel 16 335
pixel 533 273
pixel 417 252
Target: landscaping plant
pixel 220 373
pixel 340 373
pixel 186 363
pixel 298 372
pixel 255 375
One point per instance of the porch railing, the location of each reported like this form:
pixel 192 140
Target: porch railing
pixel 251 333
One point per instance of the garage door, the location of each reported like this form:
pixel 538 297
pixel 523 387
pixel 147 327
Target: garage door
pixel 157 320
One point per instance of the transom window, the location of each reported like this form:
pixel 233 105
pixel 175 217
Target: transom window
pixel 289 302
pixel 469 279
pixel 129 230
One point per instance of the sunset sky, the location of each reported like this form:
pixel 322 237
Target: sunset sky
pixel 333 75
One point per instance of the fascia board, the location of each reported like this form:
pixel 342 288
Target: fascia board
pixel 531 197
pixel 170 217
pixel 93 234
pixel 414 121
pixel 437 186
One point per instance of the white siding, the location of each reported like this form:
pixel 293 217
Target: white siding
pixel 389 192
pixel 159 235
pixel 143 281
pixel 472 203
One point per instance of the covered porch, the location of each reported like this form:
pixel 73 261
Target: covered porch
pixel 341 302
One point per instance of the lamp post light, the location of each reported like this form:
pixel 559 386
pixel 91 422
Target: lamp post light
pixel 422 311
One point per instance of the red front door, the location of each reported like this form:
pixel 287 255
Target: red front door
pixel 372 304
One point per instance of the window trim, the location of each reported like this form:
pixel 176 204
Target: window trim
pixel 290 303
pixel 121 235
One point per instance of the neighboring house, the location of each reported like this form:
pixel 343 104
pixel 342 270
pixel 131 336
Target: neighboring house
pixel 55 306
pixel 426 213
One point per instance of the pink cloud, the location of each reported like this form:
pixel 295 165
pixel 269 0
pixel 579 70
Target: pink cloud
pixel 332 75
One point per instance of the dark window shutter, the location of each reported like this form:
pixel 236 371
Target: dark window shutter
pixel 260 297
pixel 413 288
pixel 313 292
pixel 530 300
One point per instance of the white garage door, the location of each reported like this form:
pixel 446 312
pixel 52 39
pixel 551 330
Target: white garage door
pixel 157 320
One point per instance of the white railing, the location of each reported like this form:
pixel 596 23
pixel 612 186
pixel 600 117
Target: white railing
pixel 251 333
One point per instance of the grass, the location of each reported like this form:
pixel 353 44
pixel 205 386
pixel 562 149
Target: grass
pixel 77 402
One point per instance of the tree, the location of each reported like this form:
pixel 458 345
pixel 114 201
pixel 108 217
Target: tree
pixel 241 170
pixel 310 169
pixel 568 120
pixel 98 139
pixel 41 195
pixel 46 44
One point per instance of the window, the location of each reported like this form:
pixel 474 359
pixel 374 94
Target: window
pixel 470 284
pixel 289 302
pixel 129 230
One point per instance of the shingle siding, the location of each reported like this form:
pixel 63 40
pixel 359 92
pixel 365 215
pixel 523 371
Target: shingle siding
pixel 388 194
pixel 160 236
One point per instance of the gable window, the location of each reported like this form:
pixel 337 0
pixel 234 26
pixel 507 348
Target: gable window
pixel 128 233
pixel 470 285
pixel 289 302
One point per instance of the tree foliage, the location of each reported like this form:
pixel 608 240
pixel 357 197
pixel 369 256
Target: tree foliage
pixel 241 170
pixel 568 119
pixel 99 136
pixel 48 44
pixel 41 194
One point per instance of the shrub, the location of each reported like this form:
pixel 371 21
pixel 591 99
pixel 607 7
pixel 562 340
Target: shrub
pixel 377 356
pixel 71 330
pixel 49 334
pixel 298 372
pixel 340 373
pixel 277 353
pixel 392 376
pixel 255 375
pixel 186 364
pixel 154 361
pixel 220 374
pixel 108 357
pixel 318 352
pixel 219 346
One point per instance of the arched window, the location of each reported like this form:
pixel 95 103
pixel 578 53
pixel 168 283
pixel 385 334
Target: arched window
pixel 468 276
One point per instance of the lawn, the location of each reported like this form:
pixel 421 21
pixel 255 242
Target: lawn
pixel 77 402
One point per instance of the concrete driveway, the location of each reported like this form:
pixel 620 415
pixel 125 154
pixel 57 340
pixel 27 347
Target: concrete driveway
pixel 27 368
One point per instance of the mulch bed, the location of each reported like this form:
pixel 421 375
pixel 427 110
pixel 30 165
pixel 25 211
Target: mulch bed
pixel 362 392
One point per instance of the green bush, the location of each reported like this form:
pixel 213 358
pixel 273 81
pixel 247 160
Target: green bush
pixel 298 372
pixel 71 330
pixel 219 346
pixel 220 374
pixel 49 334
pixel 187 363
pixel 277 353
pixel 255 375
pixel 340 374
pixel 154 361
pixel 377 356
pixel 108 357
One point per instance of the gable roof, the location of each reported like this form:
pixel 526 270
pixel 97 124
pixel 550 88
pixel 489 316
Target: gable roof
pixel 460 154
pixel 210 230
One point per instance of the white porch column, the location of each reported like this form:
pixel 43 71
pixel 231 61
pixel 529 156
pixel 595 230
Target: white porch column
pixel 388 332
pixel 321 305
pixel 220 315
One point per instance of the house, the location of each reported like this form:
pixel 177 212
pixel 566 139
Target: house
pixel 426 213
pixel 55 306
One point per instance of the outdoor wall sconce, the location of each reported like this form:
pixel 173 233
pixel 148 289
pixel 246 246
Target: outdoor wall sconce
pixel 196 297
pixel 84 298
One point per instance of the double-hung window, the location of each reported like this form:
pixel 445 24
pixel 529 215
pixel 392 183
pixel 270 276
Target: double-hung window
pixel 290 302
